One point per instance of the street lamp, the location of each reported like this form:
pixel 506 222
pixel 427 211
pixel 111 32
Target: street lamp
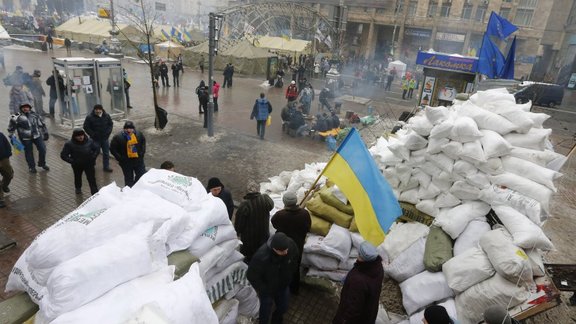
pixel 214 26
pixel 115 47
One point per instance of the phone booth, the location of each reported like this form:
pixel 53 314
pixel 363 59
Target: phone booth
pixel 83 80
pixel 445 76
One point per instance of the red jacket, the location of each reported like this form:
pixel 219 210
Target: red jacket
pixel 291 92
pixel 215 90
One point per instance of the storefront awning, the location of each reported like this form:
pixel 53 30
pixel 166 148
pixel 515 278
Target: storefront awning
pixel 448 62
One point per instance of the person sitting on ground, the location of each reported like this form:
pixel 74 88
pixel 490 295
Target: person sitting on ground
pixel 329 122
pixel 437 314
pixel 286 114
pixel 497 314
pixel 321 124
pixel 167 165
pixel 335 120
pixel 297 125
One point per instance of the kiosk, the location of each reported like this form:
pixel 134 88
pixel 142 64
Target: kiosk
pixel 445 76
pixel 89 81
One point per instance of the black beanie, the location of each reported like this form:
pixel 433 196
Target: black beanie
pixel 437 314
pixel 213 183
pixel 129 124
pixel 280 241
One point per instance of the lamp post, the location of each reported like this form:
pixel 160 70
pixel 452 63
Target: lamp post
pixel 115 46
pixel 214 27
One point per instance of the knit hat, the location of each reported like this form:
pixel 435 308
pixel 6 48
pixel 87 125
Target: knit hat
pixel 25 105
pixel 367 251
pixel 437 314
pixel 213 183
pixel 78 132
pixel 497 314
pixel 36 73
pixel 280 241
pixel 252 186
pixel 289 199
pixel 129 124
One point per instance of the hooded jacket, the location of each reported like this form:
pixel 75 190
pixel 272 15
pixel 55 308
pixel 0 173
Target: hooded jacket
pixel 78 153
pixel 98 128
pixel 361 293
pixel 28 125
pixel 118 147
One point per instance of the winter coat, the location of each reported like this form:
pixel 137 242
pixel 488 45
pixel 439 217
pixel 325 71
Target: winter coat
pixel 175 69
pixel 80 153
pixel 163 69
pixel 268 272
pixel 118 147
pixel 98 128
pixel 296 121
pixel 291 92
pixel 5 147
pixel 215 90
pixel 321 124
pixel 306 95
pixel 251 223
pixel 262 108
pixel 19 96
pixel 28 126
pixel 36 88
pixel 226 197
pixel 361 293
pixel 295 222
pixel 53 91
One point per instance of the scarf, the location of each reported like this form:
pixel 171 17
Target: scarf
pixel 131 148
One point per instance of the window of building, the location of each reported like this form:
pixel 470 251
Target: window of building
pixel 523 17
pixel 445 9
pixel 412 6
pixel 432 8
pixel 505 13
pixel 467 11
pixel 480 13
pixel 528 4
pixel 400 7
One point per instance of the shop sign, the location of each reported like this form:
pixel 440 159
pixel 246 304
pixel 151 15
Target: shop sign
pixel 450 37
pixel 427 90
pixel 415 32
pixel 447 62
pixel 448 93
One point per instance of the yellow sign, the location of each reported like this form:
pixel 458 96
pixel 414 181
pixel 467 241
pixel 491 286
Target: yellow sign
pixel 104 13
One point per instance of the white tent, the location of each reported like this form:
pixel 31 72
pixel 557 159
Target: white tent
pixel 3 33
pixel 400 67
pixel 168 50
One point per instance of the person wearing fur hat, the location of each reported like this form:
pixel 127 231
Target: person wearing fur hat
pixel 38 93
pixel 270 272
pixel 31 131
pixel 128 148
pixel 295 222
pixel 437 314
pixel 81 152
pixel 217 189
pixel 497 314
pixel 252 219
pixel 361 291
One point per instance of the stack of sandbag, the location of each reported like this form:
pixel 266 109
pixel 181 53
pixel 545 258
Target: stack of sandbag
pixel 298 181
pixel 329 206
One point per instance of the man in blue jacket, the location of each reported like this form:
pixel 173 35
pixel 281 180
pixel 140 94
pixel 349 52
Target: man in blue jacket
pixel 5 168
pixel 261 110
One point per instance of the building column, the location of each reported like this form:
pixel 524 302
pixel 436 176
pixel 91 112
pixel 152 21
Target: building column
pixel 466 43
pixel 370 42
pixel 433 38
pixel 400 31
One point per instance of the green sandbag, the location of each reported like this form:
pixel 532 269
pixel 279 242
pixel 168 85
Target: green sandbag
pixel 330 199
pixel 327 212
pixel 319 225
pixel 439 249
pixel 353 227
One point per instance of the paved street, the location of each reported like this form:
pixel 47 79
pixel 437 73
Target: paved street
pixel 235 154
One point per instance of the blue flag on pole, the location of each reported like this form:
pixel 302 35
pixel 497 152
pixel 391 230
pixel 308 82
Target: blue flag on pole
pixel 499 26
pixel 490 60
pixel 507 71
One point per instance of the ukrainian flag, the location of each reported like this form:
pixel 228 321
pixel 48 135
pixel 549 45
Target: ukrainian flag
pixel 165 34
pixel 187 36
pixel 354 171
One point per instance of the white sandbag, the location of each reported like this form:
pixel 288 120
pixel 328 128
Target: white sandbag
pixel 226 280
pixel 423 289
pixel 446 199
pixel 465 191
pixel 409 196
pixel 223 264
pixel 420 124
pixel 91 274
pixel 493 144
pixel 486 119
pixel 320 261
pixel 492 95
pixel 526 234
pixel 149 313
pixel 479 180
pixel 209 260
pixel 536 262
pixel 210 237
pixel 452 150
pixel 408 263
pixel 410 184
pixel 537 118
pixel 471 304
pixel 211 212
pixel 120 303
pixel 276 185
pixel 427 207
pixel 454 220
pixel 436 115
pixel 391 177
pixel 357 239
pixel 423 178
pixel 464 168
pixel 389 158
pixel 449 305
pixel 465 130
pixel 510 261
pixel 249 302
pixel 429 192
pixel 493 166
pixel 401 236
pixel 496 195
pixel 525 187
pixel 471 235
pixel 535 138
pixel 399 149
pixel 348 264
pixel 520 119
pixel 531 171
pixel 467 269
pixel 184 191
pixel 443 129
pixel 542 158
pixel 442 183
pixel 334 275
pixel 435 144
pixel 227 311
pixel 430 168
pixel 472 152
pixel 442 161
pixel 338 242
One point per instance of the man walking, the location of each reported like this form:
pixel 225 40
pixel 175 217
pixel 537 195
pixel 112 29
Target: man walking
pixel 56 87
pixel 31 131
pixel 261 110
pixel 128 148
pixel 164 74
pixel 38 93
pixel 226 74
pixel 6 170
pixel 175 74
pixel 295 222
pixel 98 125
pixel 252 220
pixel 270 273
pixel 81 152
pixel 361 291
pixel 292 92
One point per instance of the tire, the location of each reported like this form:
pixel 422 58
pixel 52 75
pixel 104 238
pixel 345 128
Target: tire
pixel 552 104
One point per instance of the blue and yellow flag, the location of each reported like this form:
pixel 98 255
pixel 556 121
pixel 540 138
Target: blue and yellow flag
pixel 354 171
pixel 165 34
pixel 17 145
pixel 187 36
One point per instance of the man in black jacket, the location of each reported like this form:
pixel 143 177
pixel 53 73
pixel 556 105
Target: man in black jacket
pixel 98 125
pixel 270 273
pixel 164 74
pixel 81 152
pixel 216 188
pixel 128 148
pixel 6 170
pixel 53 84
